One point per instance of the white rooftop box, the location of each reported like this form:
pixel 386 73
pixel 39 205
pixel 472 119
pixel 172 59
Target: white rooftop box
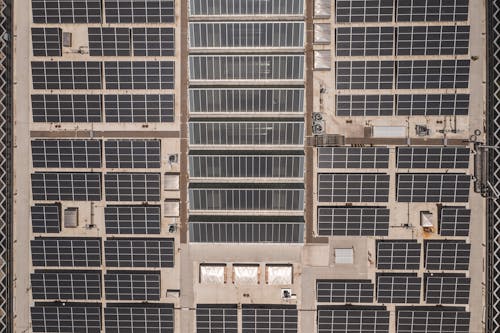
pixel 213 273
pixel 389 131
pixel 279 274
pixel 246 274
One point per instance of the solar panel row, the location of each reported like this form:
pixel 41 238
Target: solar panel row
pixel 116 11
pixel 354 11
pixel 402 74
pixel 74 75
pixel 408 40
pixel 405 105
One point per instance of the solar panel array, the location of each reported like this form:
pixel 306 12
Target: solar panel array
pixel 66 252
pixel 344 291
pixel 355 319
pixel 353 157
pixel 269 318
pixel 72 11
pixel 128 154
pixel 139 318
pixel 132 285
pixel 47 42
pixel 454 221
pixel 132 219
pixel 447 289
pixel 353 187
pixel 353 221
pixel 398 288
pixel 131 45
pixel 139 252
pixel 398 254
pixel 134 108
pixel 66 153
pixel 433 157
pixel 402 105
pixel 447 255
pixel 66 108
pixel 433 187
pixel 66 285
pixel 56 75
pixel 221 318
pixel 52 317
pixel 126 186
pixel 140 11
pixel 415 319
pixel 46 218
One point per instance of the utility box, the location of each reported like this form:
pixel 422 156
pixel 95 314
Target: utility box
pixel 71 217
pixel 67 39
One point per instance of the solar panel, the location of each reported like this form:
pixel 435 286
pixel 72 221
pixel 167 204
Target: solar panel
pixel 66 108
pixel 344 291
pixel 246 166
pixel 46 42
pixel 66 285
pixel 68 11
pixel 132 186
pixel 132 219
pixel 353 319
pixel 432 10
pixel 364 41
pixel 436 320
pixel 364 74
pixel 246 67
pixel 398 288
pixel 353 187
pixel 433 74
pixel 221 318
pixel 66 252
pixel 153 42
pixel 353 221
pixel 132 153
pixel 66 153
pixel 73 186
pixel 246 133
pixel 447 289
pixel 353 157
pixel 269 318
pixel 46 218
pixel 433 40
pixel 364 105
pixel 134 317
pixel 398 254
pixel 435 187
pixel 50 75
pixel 351 11
pixel 132 285
pixel 139 74
pixel 246 34
pixel 447 255
pixel 139 252
pixel 70 317
pixel 454 221
pixel 225 197
pixel 139 108
pixel 234 229
pixel 140 11
pixel 245 7
pixel 433 105
pixel 228 100
pixel 109 41
pixel 433 157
